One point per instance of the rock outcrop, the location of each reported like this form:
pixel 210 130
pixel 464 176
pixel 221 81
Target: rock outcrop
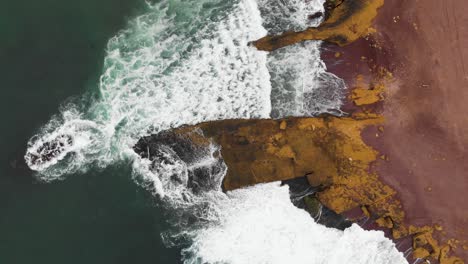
pixel 328 150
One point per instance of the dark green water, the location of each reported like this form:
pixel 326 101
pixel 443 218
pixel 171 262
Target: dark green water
pixel 51 50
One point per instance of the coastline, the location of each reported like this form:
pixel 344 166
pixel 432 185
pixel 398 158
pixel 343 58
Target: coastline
pixel 365 164
pixel 396 162
pixel 424 134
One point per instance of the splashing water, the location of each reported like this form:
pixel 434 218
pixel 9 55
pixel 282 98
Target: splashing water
pixel 181 63
pixel 289 15
pixel 301 86
pixel 259 224
pixel 185 62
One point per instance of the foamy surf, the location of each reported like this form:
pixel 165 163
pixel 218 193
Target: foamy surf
pixel 301 85
pixel 186 62
pixel 180 63
pixel 259 224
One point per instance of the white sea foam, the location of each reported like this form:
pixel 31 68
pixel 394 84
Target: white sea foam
pixel 259 224
pixel 184 62
pixel 301 85
pixel 68 138
pixel 289 15
pixel 180 63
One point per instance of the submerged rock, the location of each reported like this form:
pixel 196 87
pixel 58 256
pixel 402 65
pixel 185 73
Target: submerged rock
pixel 46 151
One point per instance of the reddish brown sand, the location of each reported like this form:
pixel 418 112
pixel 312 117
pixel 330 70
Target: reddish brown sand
pixel 425 137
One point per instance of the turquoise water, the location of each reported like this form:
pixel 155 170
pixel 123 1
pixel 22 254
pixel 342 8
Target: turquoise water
pixel 49 51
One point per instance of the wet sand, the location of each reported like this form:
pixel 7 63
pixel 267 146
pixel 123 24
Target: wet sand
pixel 424 44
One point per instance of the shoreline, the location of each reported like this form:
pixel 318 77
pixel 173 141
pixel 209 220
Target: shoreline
pixel 425 132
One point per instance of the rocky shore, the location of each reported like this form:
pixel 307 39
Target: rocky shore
pixel 425 135
pixel 412 59
pixel 399 157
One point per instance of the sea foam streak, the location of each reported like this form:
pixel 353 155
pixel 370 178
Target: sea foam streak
pixel 185 62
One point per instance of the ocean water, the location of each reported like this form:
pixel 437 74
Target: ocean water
pixel 50 51
pixel 183 62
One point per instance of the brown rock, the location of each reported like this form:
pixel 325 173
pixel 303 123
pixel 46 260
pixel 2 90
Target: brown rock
pixel 421 253
pixel 328 150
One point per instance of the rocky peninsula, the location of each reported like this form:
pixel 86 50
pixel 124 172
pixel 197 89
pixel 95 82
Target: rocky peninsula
pixel 398 157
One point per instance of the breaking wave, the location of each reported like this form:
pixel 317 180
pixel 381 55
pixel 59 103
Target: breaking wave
pixel 259 224
pixel 184 62
pixel 301 85
pixel 180 63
